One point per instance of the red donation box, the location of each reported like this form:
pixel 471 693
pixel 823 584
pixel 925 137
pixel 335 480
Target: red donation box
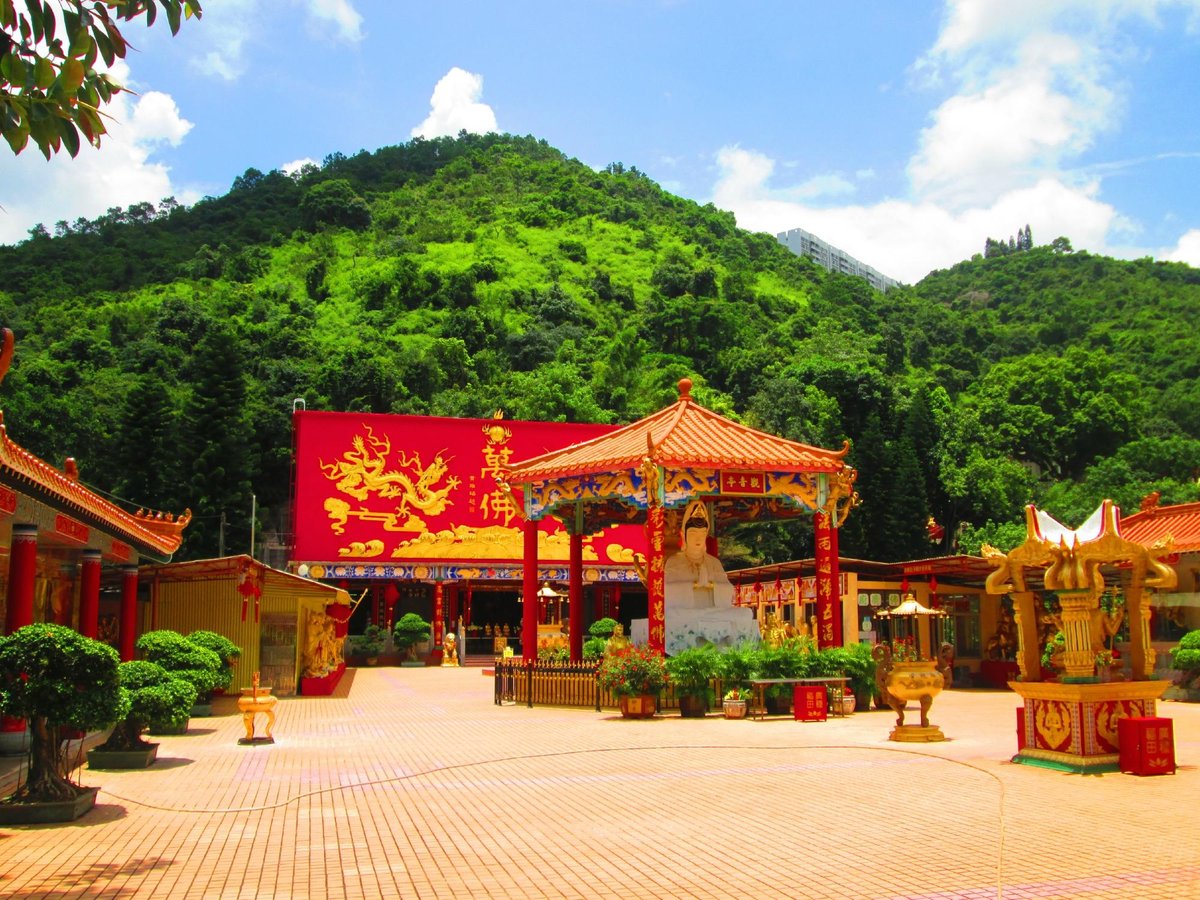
pixel 809 702
pixel 1146 745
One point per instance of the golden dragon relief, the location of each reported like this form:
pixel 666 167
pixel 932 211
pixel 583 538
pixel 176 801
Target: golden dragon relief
pixel 366 469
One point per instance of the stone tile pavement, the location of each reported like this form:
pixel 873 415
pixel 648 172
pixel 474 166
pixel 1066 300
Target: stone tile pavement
pixel 412 783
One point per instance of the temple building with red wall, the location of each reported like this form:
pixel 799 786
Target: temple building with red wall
pixel 405 513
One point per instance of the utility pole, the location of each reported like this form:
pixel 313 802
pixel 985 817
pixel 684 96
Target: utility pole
pixel 221 536
pixel 253 512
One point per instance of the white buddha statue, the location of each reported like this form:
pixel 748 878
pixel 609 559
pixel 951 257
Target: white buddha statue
pixel 698 598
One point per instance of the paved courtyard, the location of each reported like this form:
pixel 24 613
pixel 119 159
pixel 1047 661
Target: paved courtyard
pixel 412 783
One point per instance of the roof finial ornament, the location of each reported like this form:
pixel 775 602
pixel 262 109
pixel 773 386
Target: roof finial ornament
pixel 685 389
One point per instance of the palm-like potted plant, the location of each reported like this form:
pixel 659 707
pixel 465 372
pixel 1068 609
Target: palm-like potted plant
pixel 786 661
pixel 56 679
pixel 409 631
pixel 154 696
pixel 183 659
pixel 691 672
pixel 635 675
pixel 227 651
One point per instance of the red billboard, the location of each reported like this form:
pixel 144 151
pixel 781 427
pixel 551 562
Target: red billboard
pixel 376 493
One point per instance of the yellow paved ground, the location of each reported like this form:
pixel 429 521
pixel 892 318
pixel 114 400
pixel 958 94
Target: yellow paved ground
pixel 414 784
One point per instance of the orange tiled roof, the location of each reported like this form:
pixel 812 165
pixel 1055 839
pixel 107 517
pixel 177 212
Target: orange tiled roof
pixel 1181 521
pixel 683 434
pixel 155 534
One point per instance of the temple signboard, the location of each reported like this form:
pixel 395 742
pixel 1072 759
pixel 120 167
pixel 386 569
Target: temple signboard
pixel 396 490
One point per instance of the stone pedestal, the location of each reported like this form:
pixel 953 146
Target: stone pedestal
pixel 1074 727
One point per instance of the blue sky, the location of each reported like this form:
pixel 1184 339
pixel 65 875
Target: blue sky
pixel 902 132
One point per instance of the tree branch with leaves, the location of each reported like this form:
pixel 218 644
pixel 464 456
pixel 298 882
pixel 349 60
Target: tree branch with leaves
pixel 50 89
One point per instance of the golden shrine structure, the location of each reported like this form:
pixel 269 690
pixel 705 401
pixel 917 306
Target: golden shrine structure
pixel 1073 723
pixel 649 472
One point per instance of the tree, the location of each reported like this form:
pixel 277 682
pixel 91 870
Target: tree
pixel 42 669
pixel 50 89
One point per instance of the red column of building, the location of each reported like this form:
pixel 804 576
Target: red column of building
pixel 129 592
pixel 575 598
pixel 836 576
pixel 89 594
pixel 22 570
pixel 529 589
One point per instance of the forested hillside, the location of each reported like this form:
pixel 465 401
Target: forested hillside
pixel 164 346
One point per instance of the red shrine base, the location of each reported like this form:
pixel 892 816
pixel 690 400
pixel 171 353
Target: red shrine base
pixel 324 685
pixel 1074 727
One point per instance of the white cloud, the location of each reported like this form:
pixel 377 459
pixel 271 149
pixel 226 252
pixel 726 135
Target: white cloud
pixel 342 14
pixel 907 239
pixel 1187 250
pixel 120 173
pixel 455 107
pixel 291 168
pixel 229 25
pixel 1029 86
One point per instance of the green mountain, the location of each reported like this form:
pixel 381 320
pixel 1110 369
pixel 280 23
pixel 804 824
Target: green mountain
pixel 164 347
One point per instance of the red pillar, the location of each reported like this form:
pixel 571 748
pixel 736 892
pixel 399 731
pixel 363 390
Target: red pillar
pixel 655 578
pixel 22 570
pixel 529 589
pixel 89 594
pixel 829 601
pixel 575 598
pixel 129 591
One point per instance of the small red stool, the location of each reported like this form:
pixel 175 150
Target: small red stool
pixel 1146 745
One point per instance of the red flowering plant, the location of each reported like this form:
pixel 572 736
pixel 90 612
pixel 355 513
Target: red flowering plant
pixel 632 671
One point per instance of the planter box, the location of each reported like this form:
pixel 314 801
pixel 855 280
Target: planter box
pixel 122 759
pixel 48 813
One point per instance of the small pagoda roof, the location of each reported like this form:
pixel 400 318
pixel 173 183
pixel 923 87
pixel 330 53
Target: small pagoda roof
pixel 1181 521
pixel 684 434
pixel 156 534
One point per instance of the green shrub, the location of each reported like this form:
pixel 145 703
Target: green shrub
pixel 593 647
pixel 54 677
pixel 183 659
pixel 735 666
pixel 603 628
pixel 227 651
pixel 692 671
pixel 155 695
pixel 1186 658
pixel 409 631
pixel 370 643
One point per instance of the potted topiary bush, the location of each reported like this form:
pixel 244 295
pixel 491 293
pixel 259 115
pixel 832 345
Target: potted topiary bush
pixel 183 659
pixel 155 695
pixel 369 644
pixel 409 631
pixel 603 628
pixel 56 679
pixel 691 672
pixel 227 651
pixel 1186 658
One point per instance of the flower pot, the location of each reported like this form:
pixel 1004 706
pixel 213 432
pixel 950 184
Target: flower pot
pixel 122 759
pixel 849 703
pixel 44 813
pixel 692 706
pixel 641 706
pixel 734 709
